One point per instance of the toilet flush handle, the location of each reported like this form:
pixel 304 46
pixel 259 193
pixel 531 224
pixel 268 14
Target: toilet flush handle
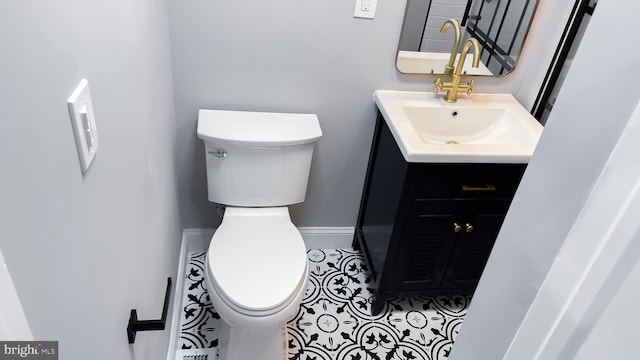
pixel 221 153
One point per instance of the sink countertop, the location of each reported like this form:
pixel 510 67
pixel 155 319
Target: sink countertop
pixel 510 138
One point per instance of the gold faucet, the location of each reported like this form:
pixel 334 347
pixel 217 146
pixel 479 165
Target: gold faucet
pixel 454 85
pixel 448 69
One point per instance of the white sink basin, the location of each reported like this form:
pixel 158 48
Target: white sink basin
pixel 479 128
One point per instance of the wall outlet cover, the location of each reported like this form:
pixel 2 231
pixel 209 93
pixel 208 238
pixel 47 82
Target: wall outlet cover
pixel 365 9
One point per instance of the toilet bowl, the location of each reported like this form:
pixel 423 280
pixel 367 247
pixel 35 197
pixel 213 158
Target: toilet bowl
pixel 256 274
pixel 256 269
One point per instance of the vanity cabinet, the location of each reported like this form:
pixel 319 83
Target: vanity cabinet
pixel 428 228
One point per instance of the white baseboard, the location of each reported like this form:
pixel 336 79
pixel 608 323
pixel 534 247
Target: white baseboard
pixel 327 237
pixel 314 238
pixel 197 239
pixel 176 302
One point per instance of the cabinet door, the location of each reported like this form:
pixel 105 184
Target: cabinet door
pixel 472 248
pixel 383 199
pixel 429 239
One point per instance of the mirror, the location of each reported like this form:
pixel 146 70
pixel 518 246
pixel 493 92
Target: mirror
pixel 500 26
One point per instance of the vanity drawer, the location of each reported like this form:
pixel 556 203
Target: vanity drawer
pixel 468 181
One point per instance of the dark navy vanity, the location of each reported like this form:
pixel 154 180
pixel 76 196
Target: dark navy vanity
pixel 428 228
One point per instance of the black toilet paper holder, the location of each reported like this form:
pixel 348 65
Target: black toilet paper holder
pixel 136 325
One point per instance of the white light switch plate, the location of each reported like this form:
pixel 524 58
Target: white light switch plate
pixel 365 9
pixel 84 124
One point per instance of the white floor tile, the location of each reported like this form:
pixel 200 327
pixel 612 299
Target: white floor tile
pixel 334 320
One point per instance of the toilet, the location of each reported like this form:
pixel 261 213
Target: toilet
pixel 256 269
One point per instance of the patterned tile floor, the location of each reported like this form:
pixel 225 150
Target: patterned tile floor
pixel 334 320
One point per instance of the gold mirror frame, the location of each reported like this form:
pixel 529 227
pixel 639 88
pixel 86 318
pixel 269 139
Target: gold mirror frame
pixel 413 62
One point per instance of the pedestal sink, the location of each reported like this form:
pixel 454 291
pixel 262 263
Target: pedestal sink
pixel 478 128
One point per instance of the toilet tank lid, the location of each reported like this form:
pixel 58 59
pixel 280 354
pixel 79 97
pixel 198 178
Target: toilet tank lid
pixel 258 128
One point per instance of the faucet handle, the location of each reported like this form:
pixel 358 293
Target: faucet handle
pixel 470 87
pixel 438 85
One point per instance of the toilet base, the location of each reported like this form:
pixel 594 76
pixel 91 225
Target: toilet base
pixel 236 344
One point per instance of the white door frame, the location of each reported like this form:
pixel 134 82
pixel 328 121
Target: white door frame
pixel 13 321
pixel 598 255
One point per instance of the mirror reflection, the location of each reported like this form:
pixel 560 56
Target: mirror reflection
pixel 500 26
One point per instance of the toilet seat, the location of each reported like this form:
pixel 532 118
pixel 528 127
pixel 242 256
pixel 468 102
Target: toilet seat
pixel 257 313
pixel 257 260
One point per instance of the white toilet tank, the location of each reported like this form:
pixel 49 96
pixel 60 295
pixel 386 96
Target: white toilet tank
pixel 257 159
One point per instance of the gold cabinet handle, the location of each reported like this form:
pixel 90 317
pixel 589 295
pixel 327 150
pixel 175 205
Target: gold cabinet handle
pixel 456 227
pixel 478 188
pixel 468 227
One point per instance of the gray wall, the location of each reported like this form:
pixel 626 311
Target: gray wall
pixel 284 56
pixel 83 251
pixel 297 56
